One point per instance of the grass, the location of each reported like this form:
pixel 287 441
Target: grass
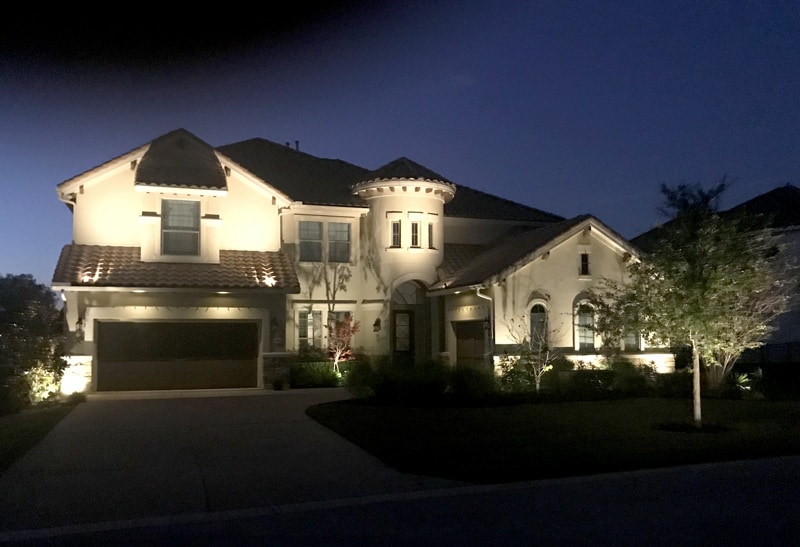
pixel 549 440
pixel 22 431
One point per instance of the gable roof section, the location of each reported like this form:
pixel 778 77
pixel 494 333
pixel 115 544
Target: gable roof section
pixel 300 176
pixel 179 159
pixel 778 208
pixel 113 266
pixel 515 251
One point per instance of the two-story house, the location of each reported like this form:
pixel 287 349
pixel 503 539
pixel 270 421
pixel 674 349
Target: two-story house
pixel 190 266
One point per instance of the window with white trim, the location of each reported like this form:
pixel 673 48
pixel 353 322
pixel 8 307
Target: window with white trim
pixel 584 268
pixel 310 235
pixel 180 227
pixel 338 242
pixel 415 233
pixel 396 238
pixel 309 329
pixel 632 342
pixel 538 324
pixel 585 327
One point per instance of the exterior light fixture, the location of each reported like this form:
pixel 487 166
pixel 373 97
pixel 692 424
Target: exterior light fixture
pixel 376 326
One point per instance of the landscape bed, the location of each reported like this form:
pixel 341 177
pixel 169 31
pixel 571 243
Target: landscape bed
pixel 548 440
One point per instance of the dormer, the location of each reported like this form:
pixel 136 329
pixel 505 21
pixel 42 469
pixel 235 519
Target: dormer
pixel 180 178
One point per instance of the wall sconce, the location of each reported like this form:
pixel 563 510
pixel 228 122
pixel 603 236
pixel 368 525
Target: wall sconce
pixel 376 326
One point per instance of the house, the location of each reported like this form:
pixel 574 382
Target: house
pixel 194 267
pixel 778 209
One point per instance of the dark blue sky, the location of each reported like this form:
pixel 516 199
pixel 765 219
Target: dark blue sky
pixel 573 108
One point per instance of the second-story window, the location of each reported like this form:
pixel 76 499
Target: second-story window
pixel 310 241
pixel 338 242
pixel 396 239
pixel 584 264
pixel 415 233
pixel 180 227
pixel 431 241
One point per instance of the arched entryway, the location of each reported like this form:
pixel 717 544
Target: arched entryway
pixel 410 323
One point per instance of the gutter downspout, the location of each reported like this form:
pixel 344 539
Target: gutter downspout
pixel 490 354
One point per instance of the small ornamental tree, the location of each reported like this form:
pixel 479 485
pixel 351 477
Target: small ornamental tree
pixel 339 338
pixel 713 284
pixel 531 355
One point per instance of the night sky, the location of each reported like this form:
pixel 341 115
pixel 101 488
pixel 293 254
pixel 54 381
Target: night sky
pixel 573 108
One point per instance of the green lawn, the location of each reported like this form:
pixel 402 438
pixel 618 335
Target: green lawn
pixel 20 432
pixel 547 440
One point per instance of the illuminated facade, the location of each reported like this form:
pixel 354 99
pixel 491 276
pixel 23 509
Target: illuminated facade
pixel 195 267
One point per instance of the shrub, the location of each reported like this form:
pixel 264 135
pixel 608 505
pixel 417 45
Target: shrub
pixel 409 383
pixel 630 379
pixel 472 382
pixel 359 377
pixel 41 384
pixel 312 374
pixel 590 384
pixel 562 364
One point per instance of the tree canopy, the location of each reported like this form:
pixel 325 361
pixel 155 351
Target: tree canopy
pixel 30 329
pixel 712 283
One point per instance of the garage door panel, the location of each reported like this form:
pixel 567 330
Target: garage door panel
pixel 177 355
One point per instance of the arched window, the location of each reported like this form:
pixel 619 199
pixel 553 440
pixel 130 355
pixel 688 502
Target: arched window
pixel 584 327
pixel 538 322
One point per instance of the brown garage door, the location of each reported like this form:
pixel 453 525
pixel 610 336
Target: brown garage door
pixel 176 355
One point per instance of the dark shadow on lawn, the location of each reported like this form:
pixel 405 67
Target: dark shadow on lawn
pixel 519 442
pixel 687 427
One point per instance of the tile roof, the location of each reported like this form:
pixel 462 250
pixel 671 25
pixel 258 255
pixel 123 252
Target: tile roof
pixel 313 180
pixel 300 176
pixel 179 159
pixel 456 257
pixel 507 255
pixel 112 266
pixel 471 203
pixel 403 169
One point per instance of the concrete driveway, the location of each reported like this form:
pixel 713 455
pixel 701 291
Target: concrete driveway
pixel 114 459
pixel 254 468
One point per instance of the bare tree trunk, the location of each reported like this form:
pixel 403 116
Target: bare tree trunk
pixel 698 417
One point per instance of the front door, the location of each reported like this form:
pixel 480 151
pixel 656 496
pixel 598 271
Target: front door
pixel 403 335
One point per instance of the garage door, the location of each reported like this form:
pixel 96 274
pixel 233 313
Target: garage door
pixel 176 355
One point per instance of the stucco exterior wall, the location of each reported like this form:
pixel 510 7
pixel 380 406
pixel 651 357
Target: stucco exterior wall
pixel 249 216
pixel 554 280
pixel 107 209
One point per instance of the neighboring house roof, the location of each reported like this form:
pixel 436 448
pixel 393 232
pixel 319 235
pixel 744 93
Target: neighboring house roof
pixel 179 159
pixel 778 208
pixel 512 253
pixel 112 266
pixel 300 176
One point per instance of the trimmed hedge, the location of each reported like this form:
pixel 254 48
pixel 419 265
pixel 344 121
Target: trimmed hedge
pixel 312 374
